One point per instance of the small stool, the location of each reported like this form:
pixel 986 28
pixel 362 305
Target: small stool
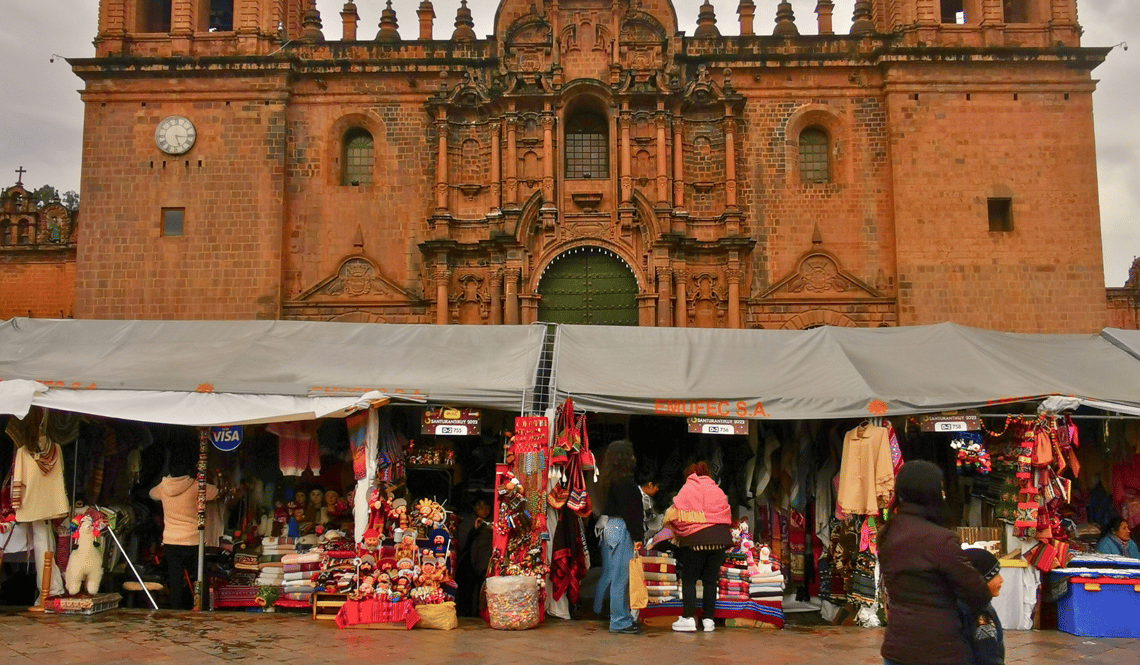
pixel 135 597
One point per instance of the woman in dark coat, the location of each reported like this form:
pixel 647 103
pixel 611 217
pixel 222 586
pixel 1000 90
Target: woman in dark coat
pixel 925 574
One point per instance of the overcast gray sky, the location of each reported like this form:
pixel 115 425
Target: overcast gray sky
pixel 41 117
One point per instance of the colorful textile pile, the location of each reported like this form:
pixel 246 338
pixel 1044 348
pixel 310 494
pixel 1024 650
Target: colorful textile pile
pixel 661 578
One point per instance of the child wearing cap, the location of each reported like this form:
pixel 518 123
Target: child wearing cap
pixel 982 630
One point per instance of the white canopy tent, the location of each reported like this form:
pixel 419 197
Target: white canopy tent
pixel 234 372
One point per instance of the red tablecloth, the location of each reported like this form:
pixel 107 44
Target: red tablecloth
pixel 356 612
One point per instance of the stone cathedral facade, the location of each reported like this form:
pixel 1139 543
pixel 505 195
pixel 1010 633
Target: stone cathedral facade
pixel 592 161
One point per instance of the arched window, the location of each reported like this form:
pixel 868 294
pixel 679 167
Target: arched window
pixel 153 16
pixel 587 146
pixel 815 163
pixel 221 18
pixel 358 158
pixel 6 232
pixel 23 234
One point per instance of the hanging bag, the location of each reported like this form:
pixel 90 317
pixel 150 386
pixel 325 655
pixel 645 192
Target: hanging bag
pixel 638 594
pixel 586 456
pixel 569 439
pixel 579 500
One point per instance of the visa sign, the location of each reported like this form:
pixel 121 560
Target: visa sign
pixel 226 438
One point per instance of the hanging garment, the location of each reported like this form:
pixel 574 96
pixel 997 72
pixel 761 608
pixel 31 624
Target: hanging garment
pixel 297 447
pixel 866 472
pixel 40 479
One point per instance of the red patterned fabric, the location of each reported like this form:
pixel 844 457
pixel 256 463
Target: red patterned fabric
pixel 358 612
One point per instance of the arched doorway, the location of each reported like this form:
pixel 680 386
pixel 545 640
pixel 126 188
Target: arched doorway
pixel 588 286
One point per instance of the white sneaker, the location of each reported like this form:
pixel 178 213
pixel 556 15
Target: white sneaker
pixel 685 625
pixel 709 625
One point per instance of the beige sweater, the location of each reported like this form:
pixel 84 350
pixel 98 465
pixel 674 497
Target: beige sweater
pixel 44 495
pixel 179 497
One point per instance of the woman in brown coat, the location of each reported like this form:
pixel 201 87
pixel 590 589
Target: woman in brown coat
pixel 925 574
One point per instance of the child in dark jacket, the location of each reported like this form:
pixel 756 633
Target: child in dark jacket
pixel 982 630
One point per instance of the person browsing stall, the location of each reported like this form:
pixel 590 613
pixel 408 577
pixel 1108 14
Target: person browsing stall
pixel 622 534
pixel 701 521
pixel 925 574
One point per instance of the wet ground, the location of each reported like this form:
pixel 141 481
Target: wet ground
pixel 140 636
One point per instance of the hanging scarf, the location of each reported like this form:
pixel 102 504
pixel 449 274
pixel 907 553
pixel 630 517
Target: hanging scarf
pixel 1121 546
pixel 47 459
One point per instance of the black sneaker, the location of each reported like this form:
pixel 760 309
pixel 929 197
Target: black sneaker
pixel 631 630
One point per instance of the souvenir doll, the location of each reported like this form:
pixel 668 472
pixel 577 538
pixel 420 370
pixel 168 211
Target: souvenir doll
pixel 407 549
pixel 369 542
pixel 383 586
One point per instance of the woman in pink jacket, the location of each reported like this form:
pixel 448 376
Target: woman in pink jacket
pixel 702 525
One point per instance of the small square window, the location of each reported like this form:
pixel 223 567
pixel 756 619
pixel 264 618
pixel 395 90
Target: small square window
pixel 1001 215
pixel 172 219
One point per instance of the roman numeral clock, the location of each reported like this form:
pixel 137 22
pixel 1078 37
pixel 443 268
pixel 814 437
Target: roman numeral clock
pixel 175 135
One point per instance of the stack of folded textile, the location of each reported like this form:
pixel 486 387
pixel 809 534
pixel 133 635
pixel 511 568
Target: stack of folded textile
pixel 765 581
pixel 733 581
pixel 660 577
pixel 298 573
pixel 246 569
pixel 272 551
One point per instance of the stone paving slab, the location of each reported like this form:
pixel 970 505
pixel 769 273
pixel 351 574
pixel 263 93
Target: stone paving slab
pixel 142 636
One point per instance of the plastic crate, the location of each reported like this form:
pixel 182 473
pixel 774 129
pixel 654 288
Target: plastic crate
pixel 1100 607
pixel 86 605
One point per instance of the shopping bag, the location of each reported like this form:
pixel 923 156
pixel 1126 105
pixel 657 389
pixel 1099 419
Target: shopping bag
pixel 638 595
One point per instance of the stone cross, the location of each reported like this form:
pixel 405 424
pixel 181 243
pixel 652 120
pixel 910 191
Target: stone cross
pixel 20 175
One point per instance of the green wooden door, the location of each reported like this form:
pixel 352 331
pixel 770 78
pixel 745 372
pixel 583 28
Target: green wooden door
pixel 590 286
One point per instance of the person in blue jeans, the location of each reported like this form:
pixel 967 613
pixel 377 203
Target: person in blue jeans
pixel 622 534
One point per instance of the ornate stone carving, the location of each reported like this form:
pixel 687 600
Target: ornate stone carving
pixel 818 274
pixel 357 278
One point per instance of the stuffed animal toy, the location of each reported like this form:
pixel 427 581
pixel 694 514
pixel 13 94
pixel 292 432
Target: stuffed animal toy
pixel 86 561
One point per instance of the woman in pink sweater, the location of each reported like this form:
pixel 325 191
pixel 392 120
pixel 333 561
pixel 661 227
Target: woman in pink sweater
pixel 702 523
pixel 178 493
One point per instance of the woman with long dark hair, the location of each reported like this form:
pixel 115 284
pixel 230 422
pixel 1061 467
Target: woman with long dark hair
pixel 622 534
pixel 701 521
pixel 925 574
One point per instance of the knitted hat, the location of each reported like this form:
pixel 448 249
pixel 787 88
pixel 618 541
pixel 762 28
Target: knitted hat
pixel 984 562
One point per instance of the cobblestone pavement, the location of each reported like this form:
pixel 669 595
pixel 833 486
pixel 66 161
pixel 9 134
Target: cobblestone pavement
pixel 139 636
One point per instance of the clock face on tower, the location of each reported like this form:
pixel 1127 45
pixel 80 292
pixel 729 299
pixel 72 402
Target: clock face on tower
pixel 175 135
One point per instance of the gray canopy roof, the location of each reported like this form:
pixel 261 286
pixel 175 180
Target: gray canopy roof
pixel 490 366
pixel 833 372
pixel 781 374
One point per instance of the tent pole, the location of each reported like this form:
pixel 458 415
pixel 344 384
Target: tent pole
pixel 200 584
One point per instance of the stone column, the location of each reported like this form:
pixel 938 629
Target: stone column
pixel 734 275
pixel 511 297
pixel 662 160
pixel 512 161
pixel 664 293
pixel 681 310
pixel 626 154
pixel 548 155
pixel 441 187
pixel 442 276
pixel 426 14
pixel 747 12
pixel 678 162
pixel 729 159
pixel 496 297
pixel 496 167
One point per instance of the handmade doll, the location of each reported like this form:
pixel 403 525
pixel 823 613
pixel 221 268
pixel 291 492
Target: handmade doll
pixel 407 549
pixel 370 542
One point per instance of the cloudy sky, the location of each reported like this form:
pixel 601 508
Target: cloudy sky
pixel 41 117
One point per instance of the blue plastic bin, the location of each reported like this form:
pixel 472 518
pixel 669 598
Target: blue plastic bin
pixel 1097 606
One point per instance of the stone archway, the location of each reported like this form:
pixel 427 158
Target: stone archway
pixel 588 285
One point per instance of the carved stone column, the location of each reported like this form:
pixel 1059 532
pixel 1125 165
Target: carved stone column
pixel 441 187
pixel 496 167
pixel 681 309
pixel 511 296
pixel 442 276
pixel 548 155
pixel 496 297
pixel 729 159
pixel 678 163
pixel 349 19
pixel 662 160
pixel 626 154
pixel 512 161
pixel 664 294
pixel 734 275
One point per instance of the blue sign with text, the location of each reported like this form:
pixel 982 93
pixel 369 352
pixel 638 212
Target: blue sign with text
pixel 226 438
